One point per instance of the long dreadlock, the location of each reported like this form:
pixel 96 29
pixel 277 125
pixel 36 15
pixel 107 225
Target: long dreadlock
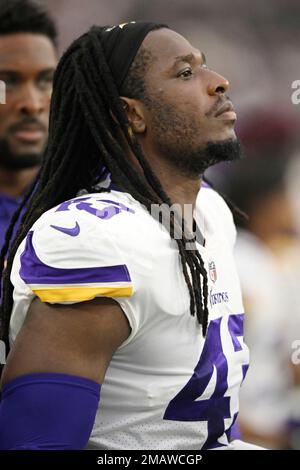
pixel 87 118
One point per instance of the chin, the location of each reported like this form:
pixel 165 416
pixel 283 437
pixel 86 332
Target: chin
pixel 23 150
pixel 226 135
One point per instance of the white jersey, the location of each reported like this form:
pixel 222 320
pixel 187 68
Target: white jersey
pixel 166 386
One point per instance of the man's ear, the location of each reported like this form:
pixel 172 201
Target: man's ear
pixel 135 114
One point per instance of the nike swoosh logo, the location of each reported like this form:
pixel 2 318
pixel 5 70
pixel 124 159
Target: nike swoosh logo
pixel 73 232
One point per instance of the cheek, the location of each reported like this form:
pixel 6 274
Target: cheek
pixel 192 112
pixel 192 96
pixel 5 113
pixel 47 103
pixel 189 108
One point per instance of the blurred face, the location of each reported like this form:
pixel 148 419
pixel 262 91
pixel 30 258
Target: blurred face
pixel 190 120
pixel 27 63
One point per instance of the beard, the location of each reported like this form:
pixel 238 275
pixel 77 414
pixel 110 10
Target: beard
pixel 12 161
pixel 193 163
pixel 177 141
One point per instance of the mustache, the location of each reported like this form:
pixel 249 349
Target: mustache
pixel 28 122
pixel 216 106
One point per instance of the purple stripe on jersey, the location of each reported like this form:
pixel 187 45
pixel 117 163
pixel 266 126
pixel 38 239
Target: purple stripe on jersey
pixel 34 271
pixel 205 185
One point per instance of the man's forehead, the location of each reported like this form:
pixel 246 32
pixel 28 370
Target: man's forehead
pixel 167 45
pixel 24 49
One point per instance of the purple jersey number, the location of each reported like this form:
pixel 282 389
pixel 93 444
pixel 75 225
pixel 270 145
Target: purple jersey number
pixel 187 405
pixel 111 208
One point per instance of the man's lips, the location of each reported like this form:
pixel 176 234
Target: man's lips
pixel 29 134
pixel 226 111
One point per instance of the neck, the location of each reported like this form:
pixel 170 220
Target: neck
pixel 14 183
pixel 182 190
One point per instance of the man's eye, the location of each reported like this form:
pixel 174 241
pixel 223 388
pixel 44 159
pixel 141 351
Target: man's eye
pixel 186 73
pixel 45 83
pixel 10 82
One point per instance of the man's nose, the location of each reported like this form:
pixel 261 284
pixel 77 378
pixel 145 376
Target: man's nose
pixel 218 85
pixel 31 101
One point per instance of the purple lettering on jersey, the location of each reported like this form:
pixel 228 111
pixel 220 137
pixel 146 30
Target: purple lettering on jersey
pixel 34 271
pixel 245 368
pixel 113 208
pixel 107 213
pixel 234 431
pixel 218 298
pixel 187 404
pixel 236 330
pixel 65 205
pixel 122 206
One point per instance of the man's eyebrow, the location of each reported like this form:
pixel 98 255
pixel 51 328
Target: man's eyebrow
pixel 20 72
pixel 189 58
pixel 9 72
pixel 48 71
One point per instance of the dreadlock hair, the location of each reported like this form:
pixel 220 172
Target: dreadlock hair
pixel 23 16
pixel 87 118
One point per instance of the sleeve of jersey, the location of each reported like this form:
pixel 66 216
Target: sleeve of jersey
pixel 69 262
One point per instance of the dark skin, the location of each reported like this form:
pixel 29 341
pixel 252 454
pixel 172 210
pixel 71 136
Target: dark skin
pixel 81 339
pixel 195 93
pixel 78 339
pixel 27 64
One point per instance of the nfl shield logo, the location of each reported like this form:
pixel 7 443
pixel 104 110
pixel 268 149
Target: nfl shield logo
pixel 212 271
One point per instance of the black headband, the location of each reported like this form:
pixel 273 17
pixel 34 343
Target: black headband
pixel 121 43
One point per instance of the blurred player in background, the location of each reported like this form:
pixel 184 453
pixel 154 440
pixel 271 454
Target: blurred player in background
pixel 267 260
pixel 28 58
pixel 107 294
